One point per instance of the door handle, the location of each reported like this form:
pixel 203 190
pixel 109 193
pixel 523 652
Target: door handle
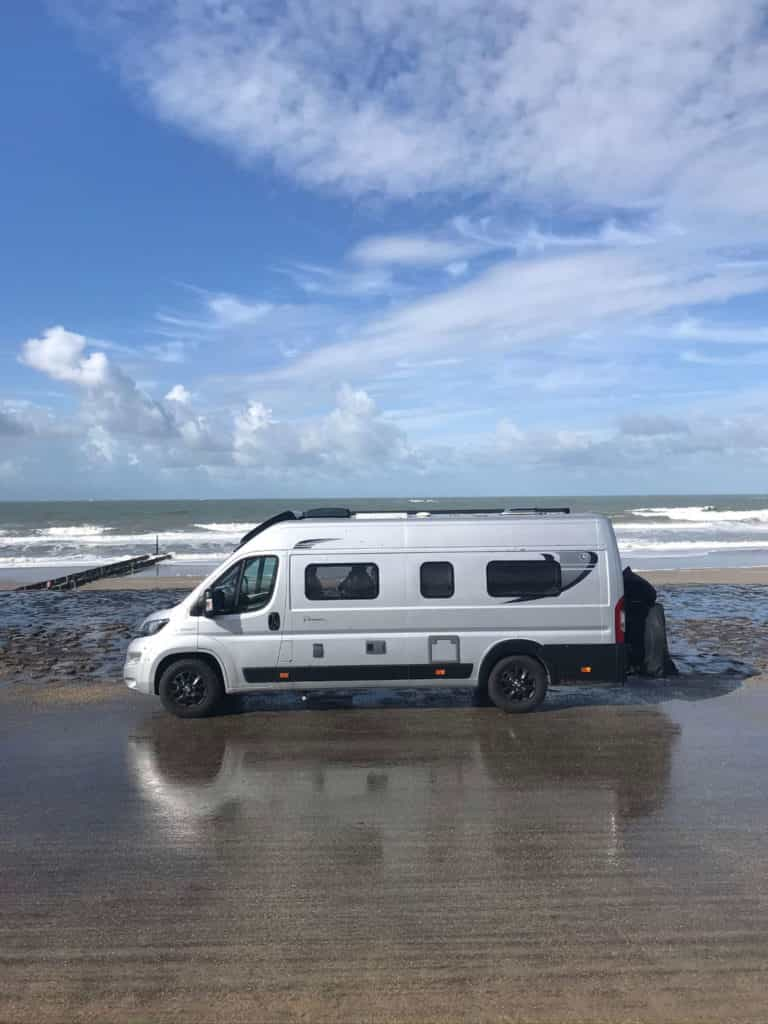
pixel 273 621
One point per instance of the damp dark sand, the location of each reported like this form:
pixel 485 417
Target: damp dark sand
pixel 80 637
pixel 383 856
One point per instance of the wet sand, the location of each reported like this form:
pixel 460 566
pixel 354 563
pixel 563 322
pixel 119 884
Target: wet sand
pixel 80 636
pixel 384 856
pixel 409 861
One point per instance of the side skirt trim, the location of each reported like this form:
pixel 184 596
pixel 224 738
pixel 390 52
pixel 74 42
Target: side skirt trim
pixel 347 673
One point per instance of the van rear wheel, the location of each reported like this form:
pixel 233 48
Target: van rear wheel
pixel 517 683
pixel 190 688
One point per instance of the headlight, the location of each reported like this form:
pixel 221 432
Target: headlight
pixel 151 626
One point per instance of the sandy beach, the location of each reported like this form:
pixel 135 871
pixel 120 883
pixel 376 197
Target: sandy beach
pixel 365 857
pixel 327 860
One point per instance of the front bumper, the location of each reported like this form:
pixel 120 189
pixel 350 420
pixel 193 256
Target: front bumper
pixel 137 668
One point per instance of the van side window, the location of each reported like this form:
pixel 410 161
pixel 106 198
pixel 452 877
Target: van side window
pixel 225 590
pixel 348 581
pixel 246 586
pixel 524 578
pixel 436 579
pixel 257 583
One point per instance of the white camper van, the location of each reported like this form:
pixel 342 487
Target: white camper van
pixel 508 601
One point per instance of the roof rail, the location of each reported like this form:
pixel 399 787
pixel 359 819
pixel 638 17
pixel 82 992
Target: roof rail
pixel 345 513
pixel 562 509
pixel 281 517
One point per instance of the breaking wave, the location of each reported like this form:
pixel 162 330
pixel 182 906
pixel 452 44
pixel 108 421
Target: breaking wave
pixel 703 514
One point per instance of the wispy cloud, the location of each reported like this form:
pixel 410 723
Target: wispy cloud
pixel 578 221
pixel 515 303
pixel 614 103
pixel 326 281
pixel 411 250
pixel 719 334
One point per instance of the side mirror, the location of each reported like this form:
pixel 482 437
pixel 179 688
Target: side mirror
pixel 208 610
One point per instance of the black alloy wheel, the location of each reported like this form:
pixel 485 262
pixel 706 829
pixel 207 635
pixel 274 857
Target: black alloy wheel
pixel 517 683
pixel 190 688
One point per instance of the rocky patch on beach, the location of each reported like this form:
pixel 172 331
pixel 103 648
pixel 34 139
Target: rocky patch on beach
pixel 73 637
pixel 81 637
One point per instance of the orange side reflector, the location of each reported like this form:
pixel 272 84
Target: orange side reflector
pixel 439 671
pixel 586 668
pixel 283 675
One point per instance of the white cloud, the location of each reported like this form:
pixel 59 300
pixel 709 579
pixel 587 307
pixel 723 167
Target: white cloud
pixel 99 445
pixel 321 281
pixel 407 250
pixel 61 355
pixel 517 303
pixel 179 393
pixel 251 440
pixel 353 439
pixel 640 441
pixel 457 269
pixel 10 423
pixel 721 334
pixel 608 102
pixel 114 402
pixel 230 311
pixel 173 351
pixel 739 359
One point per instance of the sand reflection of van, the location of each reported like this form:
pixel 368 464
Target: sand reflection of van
pixel 506 601
pixel 365 776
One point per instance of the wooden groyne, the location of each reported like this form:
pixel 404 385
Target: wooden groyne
pixel 126 567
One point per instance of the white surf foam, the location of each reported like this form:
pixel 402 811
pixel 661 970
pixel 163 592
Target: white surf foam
pixel 117 540
pixel 83 530
pixel 703 514
pixel 677 526
pixel 234 528
pixel 85 560
pixel 697 546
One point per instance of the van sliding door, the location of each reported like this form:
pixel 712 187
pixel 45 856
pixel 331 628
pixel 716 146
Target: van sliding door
pixel 345 621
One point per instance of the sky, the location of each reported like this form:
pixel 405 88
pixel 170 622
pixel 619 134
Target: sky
pixel 383 247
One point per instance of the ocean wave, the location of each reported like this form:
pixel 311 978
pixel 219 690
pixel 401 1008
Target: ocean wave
pixel 116 540
pixel 674 527
pixel 693 546
pixel 83 530
pixel 703 514
pixel 85 560
pixel 237 529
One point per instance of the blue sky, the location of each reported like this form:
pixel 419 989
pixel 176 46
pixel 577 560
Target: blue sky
pixel 255 249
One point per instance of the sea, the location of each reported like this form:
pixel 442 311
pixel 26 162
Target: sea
pixel 46 538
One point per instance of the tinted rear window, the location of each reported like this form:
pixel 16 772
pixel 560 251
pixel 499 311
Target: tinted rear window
pixel 530 578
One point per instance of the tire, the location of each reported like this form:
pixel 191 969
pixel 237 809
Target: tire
pixel 190 688
pixel 481 699
pixel 517 683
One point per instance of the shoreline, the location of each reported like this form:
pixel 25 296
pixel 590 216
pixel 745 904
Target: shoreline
pixel 747 576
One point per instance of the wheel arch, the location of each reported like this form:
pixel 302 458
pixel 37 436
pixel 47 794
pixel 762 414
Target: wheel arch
pixel 507 647
pixel 205 656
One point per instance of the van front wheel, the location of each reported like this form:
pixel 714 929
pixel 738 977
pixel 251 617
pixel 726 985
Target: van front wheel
pixel 190 688
pixel 517 683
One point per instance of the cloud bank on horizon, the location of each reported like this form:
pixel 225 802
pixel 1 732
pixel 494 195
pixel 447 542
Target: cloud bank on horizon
pixel 553 268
